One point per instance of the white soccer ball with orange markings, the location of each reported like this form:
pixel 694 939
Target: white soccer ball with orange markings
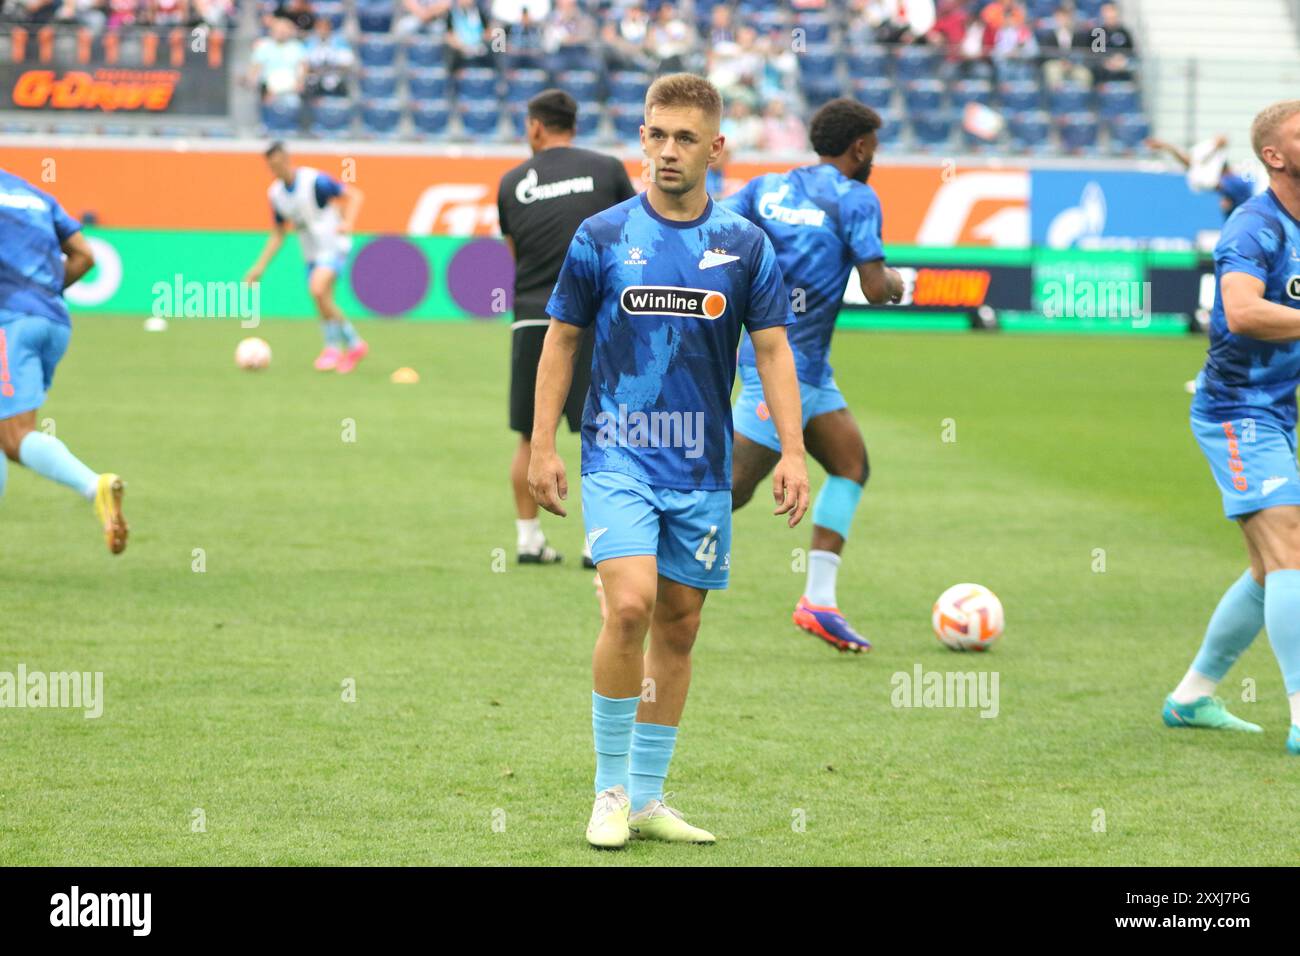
pixel 252 354
pixel 967 617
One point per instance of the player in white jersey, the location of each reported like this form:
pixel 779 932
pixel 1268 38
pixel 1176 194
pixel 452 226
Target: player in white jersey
pixel 323 212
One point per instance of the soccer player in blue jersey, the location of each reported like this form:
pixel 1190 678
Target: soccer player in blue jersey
pixel 1244 418
pixel 668 278
pixel 35 235
pixel 824 222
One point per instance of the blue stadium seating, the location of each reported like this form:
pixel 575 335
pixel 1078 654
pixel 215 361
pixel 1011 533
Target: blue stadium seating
pixel 331 118
pixel 375 17
pixel 280 119
pixel 1019 96
pixel 1079 132
pixel 480 117
pixel 933 130
pixel 377 51
pixel 589 115
pixel 424 51
pixel 429 83
pixel 628 86
pixel 476 83
pixel 923 96
pixel 430 117
pixel 1017 68
pixel 819 89
pixel 816 28
pixel 332 10
pixel 379 82
pixel 580 84
pixel 972 91
pixel 1117 98
pixel 627 121
pixel 891 132
pixel 1029 130
pixel 870 61
pixel 1127 131
pixel 817 61
pixel 1068 98
pixel 875 91
pixel 579 56
pixel 523 85
pixel 916 63
pixel 381 117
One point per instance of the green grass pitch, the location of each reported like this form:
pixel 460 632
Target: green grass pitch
pixel 469 740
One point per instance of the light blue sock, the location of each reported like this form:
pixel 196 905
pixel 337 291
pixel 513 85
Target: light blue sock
pixel 1233 626
pixel 835 504
pixel 333 332
pixel 1282 617
pixel 611 725
pixel 349 334
pixel 46 455
pixel 652 750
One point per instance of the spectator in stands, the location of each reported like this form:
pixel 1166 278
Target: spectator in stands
pixel 891 21
pixel 300 13
pixel 672 39
pixel 742 128
pixel 1012 36
pixel 1063 46
pixel 721 28
pixel 568 28
pixel 422 16
pixel 524 42
pixel 279 64
pixel 467 34
pixel 169 12
pixel 123 13
pixel 780 76
pixel 509 13
pixel 218 14
pixel 736 68
pixel 1115 60
pixel 783 132
pixel 624 40
pixel 949 29
pixel 32 11
pixel 92 14
pixel 330 61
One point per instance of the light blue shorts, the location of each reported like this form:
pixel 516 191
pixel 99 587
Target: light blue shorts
pixel 688 532
pixel 30 349
pixel 1253 461
pixel 752 419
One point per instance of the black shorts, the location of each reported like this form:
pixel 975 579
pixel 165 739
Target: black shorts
pixel 525 353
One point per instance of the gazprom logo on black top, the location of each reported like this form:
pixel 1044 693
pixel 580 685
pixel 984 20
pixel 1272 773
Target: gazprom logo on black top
pixel 673 300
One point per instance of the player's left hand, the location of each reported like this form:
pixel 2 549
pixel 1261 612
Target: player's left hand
pixel 790 488
pixel 896 285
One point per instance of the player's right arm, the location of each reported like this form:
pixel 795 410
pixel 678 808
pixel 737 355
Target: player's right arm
pixel 80 258
pixel 273 244
pixel 1242 260
pixel 860 218
pixel 572 307
pixel 880 284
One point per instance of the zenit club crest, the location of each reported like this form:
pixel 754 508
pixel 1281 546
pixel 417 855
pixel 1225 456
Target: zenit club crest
pixel 672 300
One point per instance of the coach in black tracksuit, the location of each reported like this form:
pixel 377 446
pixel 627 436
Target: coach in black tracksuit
pixel 540 204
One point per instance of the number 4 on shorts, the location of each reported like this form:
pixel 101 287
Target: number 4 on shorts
pixel 707 552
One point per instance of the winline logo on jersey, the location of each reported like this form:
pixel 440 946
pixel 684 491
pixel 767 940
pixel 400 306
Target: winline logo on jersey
pixel 673 300
pixel 626 429
pixel 75 690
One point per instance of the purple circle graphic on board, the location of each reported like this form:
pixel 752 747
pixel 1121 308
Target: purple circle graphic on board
pixel 477 271
pixel 390 275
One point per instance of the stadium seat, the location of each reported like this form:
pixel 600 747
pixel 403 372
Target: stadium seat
pixel 972 91
pixel 627 121
pixel 915 63
pixel 816 28
pixel 379 82
pixel 480 117
pixel 578 56
pixel 1079 132
pixel 580 84
pixel 1010 69
pixel 380 117
pixel 377 51
pixel 589 115
pixel 1118 98
pixel 875 91
pixel 280 119
pixel 332 10
pixel 1042 9
pixel 428 83
pixel 767 20
pixel 424 52
pixel 923 96
pixel 523 85
pixel 1029 130
pixel 331 118
pixel 1128 131
pixel 628 86
pixel 430 117
pixel 476 83
pixel 870 61
pixel 891 130
pixel 1019 96
pixel 817 61
pixel 933 130
pixel 1069 98
pixel 819 89
pixel 375 17
pixel 1089 9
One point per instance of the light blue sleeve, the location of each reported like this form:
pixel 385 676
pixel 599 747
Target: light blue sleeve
pixel 860 221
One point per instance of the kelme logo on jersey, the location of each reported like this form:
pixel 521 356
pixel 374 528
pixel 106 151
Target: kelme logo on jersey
pixel 672 300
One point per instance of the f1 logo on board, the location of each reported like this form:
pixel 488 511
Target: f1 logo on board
pixel 672 300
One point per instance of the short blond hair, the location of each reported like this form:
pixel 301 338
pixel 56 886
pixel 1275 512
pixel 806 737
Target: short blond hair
pixel 685 89
pixel 1265 125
